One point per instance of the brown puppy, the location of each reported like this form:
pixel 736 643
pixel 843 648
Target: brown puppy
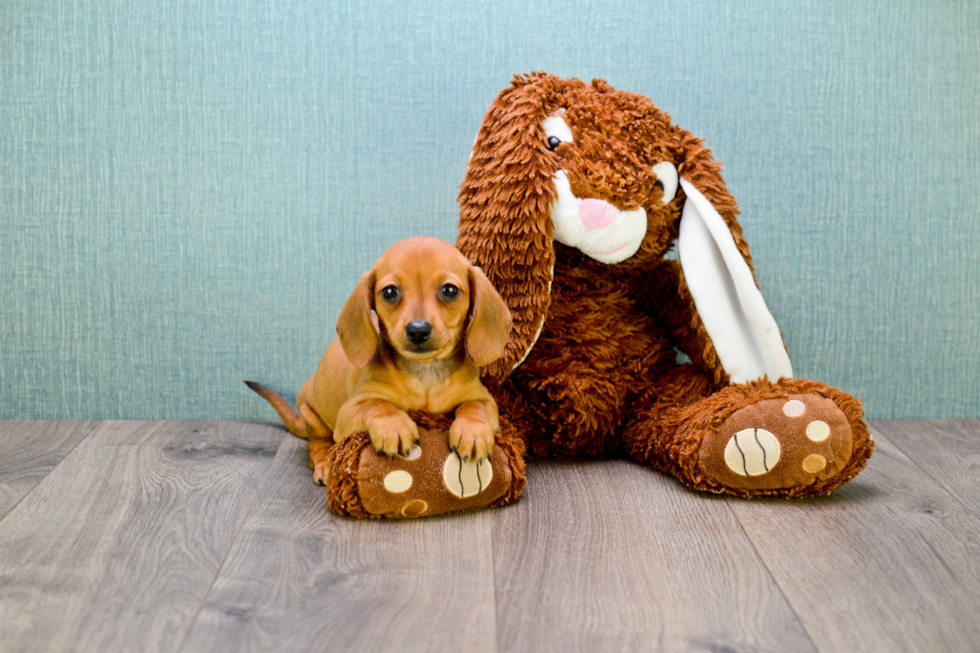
pixel 412 336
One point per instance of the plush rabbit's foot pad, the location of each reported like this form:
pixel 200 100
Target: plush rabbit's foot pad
pixel 430 480
pixel 778 443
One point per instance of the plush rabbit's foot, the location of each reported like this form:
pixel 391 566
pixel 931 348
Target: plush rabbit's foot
pixel 774 444
pixel 431 480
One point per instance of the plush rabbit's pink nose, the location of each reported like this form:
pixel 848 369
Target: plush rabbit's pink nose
pixel 596 214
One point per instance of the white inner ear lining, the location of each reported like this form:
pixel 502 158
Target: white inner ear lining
pixel 734 314
pixel 667 176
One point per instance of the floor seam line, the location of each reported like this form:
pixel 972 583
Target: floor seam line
pixel 974 512
pixel 772 575
pixel 493 576
pixel 95 427
pixel 231 546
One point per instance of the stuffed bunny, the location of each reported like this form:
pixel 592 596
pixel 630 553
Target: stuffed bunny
pixel 574 194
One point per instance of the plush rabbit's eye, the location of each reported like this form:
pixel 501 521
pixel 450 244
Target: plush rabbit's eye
pixel 390 293
pixel 667 180
pixel 556 131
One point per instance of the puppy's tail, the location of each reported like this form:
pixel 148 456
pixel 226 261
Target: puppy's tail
pixel 294 423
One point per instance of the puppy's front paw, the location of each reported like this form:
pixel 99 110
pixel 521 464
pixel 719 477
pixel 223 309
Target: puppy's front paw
pixel 393 434
pixel 472 439
pixel 320 472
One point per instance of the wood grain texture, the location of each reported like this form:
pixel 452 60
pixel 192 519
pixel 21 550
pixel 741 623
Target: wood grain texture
pixel 302 579
pixel 166 536
pixel 29 450
pixel 116 549
pixel 889 562
pixel 948 450
pixel 610 555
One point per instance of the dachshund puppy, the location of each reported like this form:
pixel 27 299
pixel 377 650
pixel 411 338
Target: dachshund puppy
pixel 412 336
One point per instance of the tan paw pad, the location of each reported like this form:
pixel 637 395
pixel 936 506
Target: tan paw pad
pixel 398 481
pixel 752 452
pixel 814 463
pixel 818 430
pixel 466 479
pixel 414 454
pixel 794 408
pixel 414 508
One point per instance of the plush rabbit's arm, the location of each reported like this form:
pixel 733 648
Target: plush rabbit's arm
pixel 667 297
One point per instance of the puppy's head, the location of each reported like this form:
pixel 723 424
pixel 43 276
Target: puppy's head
pixel 428 300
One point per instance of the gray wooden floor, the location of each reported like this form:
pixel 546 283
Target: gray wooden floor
pixel 211 536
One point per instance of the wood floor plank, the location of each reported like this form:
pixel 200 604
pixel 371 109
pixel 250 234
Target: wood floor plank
pixel 889 562
pixel 302 579
pixel 30 449
pixel 612 556
pixel 948 450
pixel 116 548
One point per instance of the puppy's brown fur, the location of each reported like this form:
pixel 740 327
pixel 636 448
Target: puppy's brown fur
pixel 373 372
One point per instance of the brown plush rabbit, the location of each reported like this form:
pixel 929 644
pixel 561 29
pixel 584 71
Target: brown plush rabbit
pixel 573 195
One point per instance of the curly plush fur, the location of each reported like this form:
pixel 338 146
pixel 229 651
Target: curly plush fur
pixel 591 367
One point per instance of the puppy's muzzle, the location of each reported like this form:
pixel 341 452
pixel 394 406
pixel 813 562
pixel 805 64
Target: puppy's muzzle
pixel 418 332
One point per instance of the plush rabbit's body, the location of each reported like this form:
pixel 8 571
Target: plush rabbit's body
pixel 573 196
pixel 599 350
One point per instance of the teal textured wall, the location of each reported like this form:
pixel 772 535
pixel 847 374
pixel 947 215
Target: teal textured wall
pixel 189 190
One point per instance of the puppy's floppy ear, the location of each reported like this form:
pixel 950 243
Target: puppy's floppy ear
pixel 505 223
pixel 358 334
pixel 489 320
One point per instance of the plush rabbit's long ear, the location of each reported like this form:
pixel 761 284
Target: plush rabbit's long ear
pixel 505 224
pixel 732 309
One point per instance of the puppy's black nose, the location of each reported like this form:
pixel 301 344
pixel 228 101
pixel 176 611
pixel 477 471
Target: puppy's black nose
pixel 418 332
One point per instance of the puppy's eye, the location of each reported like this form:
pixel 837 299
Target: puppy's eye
pixel 553 143
pixel 390 293
pixel 449 291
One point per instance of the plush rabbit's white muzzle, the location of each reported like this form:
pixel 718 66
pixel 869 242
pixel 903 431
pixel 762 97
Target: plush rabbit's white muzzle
pixel 596 227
